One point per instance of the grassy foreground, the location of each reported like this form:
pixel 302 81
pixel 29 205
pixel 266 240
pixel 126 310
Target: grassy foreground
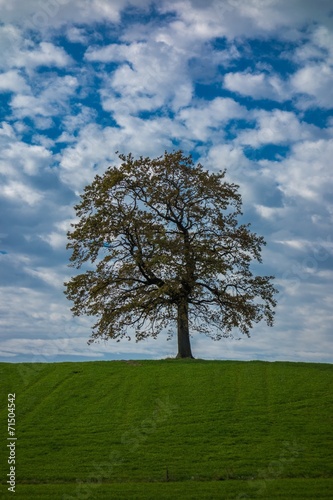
pixel 169 429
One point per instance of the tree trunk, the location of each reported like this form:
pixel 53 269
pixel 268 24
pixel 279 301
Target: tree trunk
pixel 184 345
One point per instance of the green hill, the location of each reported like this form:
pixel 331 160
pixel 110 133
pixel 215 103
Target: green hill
pixel 169 429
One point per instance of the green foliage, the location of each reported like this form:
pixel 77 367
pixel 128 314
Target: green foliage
pixel 160 233
pixel 117 428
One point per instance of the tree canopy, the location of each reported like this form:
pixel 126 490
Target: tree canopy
pixel 162 245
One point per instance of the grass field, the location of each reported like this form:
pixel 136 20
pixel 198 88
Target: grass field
pixel 169 429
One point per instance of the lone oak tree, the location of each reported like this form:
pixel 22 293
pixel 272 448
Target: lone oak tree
pixel 166 245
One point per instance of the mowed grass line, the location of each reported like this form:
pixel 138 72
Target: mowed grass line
pixel 164 424
pixel 286 489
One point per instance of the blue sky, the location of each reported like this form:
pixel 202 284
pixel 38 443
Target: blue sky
pixel 246 86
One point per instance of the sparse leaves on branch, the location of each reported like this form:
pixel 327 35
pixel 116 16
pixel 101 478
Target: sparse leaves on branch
pixel 164 245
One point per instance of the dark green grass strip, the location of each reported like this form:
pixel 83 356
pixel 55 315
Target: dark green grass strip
pixel 271 489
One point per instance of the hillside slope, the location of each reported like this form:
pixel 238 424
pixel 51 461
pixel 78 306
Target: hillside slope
pixel 170 421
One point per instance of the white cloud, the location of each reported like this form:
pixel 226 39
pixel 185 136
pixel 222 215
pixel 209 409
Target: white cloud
pixel 204 19
pixel 46 54
pixel 151 136
pixel 270 213
pixel 270 15
pixel 43 315
pixel 256 85
pixel 305 53
pixel 311 83
pixel 276 127
pixel 29 158
pixel 48 14
pixel 318 48
pixel 10 42
pixel 58 239
pixel 240 169
pixel 41 349
pixel 51 101
pixel 42 15
pixel 236 18
pixel 307 172
pixel 226 156
pixel 315 81
pixel 150 76
pixel 19 164
pixel 20 52
pixel 95 147
pixel 77 35
pixel 200 120
pixel 6 130
pixel 114 53
pixel 52 277
pixel 19 192
pixel 27 105
pixel 17 158
pixel 12 81
pixel 323 38
pixel 298 244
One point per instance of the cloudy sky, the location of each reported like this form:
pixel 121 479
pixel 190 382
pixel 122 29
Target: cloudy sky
pixel 246 86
